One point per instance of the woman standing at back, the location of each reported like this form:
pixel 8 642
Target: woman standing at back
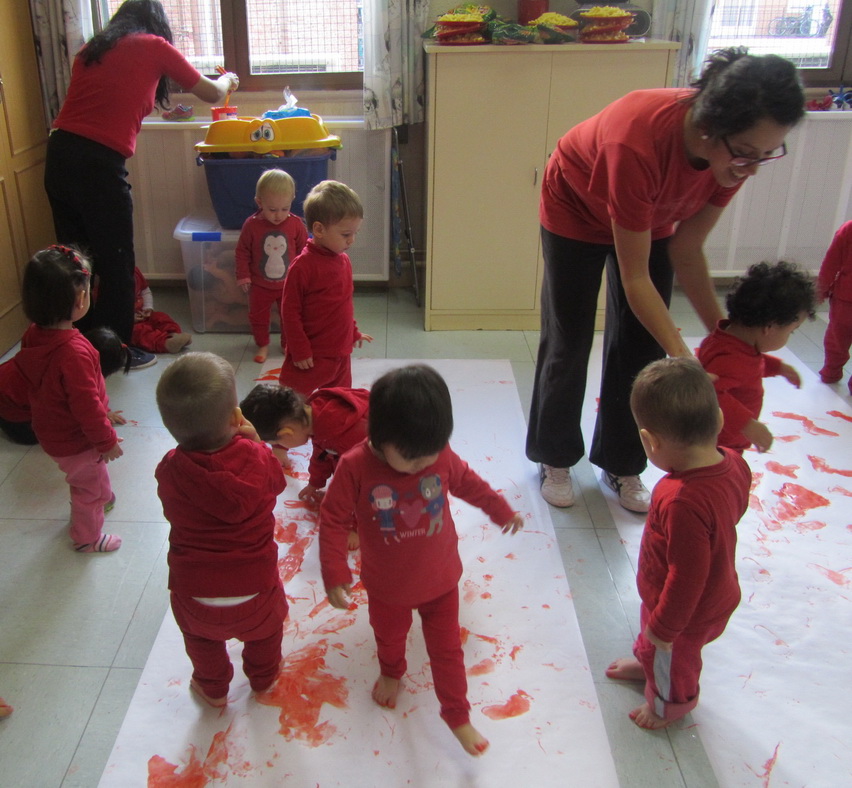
pixel 116 79
pixel 638 187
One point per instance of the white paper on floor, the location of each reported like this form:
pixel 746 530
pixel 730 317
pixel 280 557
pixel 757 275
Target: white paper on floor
pixel 529 681
pixel 776 693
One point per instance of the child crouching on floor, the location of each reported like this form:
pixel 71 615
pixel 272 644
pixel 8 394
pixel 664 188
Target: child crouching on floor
pixel 218 489
pixel 687 578
pixel 407 461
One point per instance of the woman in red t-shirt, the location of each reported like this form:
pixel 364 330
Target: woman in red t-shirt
pixel 116 79
pixel 638 187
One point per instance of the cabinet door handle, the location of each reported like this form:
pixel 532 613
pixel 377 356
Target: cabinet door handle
pixel 535 176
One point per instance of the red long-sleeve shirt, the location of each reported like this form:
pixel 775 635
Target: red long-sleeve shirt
pixel 264 251
pixel 835 273
pixel 339 422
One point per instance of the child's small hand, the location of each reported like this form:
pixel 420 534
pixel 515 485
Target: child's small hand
pixel 791 375
pixel 661 645
pixel 364 338
pixel 245 427
pixel 306 364
pixel 114 453
pixel 245 286
pixel 115 417
pixel 310 494
pixel 353 541
pixel 514 525
pixel 759 434
pixel 339 596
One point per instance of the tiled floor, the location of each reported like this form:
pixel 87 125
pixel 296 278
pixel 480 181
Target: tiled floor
pixel 77 630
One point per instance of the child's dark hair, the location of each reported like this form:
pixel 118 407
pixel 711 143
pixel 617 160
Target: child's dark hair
pixel 675 399
pixel 113 353
pixel 411 408
pixel 770 294
pixel 53 278
pixel 268 405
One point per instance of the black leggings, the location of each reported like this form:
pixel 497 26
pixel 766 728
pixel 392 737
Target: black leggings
pixel 572 278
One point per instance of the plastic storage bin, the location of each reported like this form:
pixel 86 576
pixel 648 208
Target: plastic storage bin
pixel 216 301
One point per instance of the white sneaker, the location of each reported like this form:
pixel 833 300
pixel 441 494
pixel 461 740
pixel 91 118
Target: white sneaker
pixel 632 494
pixel 556 486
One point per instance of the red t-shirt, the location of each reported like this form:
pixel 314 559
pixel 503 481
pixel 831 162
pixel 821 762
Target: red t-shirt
pixel 106 101
pixel 626 164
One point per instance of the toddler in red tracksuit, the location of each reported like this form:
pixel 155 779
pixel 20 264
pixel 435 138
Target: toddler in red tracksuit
pixel 687 578
pixel 408 562
pixel 153 331
pixel 835 284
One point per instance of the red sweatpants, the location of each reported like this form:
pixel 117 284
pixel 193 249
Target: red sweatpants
pixel 837 339
pixel 260 301
pixel 671 677
pixel 440 621
pixel 325 373
pixel 151 334
pixel 259 623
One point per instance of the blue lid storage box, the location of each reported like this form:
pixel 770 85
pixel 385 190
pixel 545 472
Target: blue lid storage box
pixel 216 301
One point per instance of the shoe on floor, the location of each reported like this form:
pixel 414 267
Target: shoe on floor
pixel 177 342
pixel 109 505
pixel 139 359
pixel 556 486
pixel 632 494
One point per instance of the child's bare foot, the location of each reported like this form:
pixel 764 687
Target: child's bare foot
pixel 353 541
pixel 5 709
pixel 471 739
pixel 385 691
pixel 261 354
pixel 644 717
pixel 626 669
pixel 216 703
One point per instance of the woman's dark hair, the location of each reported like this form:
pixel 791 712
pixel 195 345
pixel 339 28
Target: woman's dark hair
pixel 770 294
pixel 132 16
pixel 52 279
pixel 267 405
pixel 737 90
pixel 113 353
pixel 411 409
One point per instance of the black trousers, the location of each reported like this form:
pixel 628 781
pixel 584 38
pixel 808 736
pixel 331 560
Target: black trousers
pixel 89 195
pixel 572 278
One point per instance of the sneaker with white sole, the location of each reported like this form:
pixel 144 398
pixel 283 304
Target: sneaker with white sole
pixel 556 486
pixel 140 359
pixel 632 494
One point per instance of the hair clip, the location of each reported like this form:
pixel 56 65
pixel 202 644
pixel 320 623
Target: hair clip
pixel 72 256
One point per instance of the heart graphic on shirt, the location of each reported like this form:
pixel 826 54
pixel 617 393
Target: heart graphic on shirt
pixel 410 512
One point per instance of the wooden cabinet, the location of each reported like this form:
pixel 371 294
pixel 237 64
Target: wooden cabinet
pixel 25 219
pixel 494 115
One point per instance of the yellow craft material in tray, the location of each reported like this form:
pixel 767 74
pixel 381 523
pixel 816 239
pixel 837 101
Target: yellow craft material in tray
pixel 263 135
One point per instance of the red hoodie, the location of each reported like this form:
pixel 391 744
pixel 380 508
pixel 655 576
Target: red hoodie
pixel 339 422
pixel 220 507
pixel 67 392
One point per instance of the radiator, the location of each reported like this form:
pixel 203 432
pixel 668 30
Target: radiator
pixel 168 185
pixel 792 207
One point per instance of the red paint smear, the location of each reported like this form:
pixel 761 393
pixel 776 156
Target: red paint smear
pixel 481 668
pixel 270 374
pixel 813 525
pixel 485 595
pixel 841 491
pixel 516 705
pixel 820 464
pixel 782 470
pixel 515 651
pixel 510 556
pixel 755 503
pixel 162 774
pixel 837 414
pixel 301 689
pixel 767 767
pixel 795 501
pixel 487 638
pixel 291 563
pixel 807 423
pixel 787 438
pixel 833 575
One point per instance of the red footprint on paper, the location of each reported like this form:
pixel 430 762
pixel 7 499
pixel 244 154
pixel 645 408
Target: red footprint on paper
pixel 819 464
pixel 795 501
pixel 518 704
pixel 807 423
pixel 162 774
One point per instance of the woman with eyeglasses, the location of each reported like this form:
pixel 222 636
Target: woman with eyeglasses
pixel 638 187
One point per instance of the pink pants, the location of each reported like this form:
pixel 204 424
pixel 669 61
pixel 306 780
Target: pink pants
pixel 671 677
pixel 259 623
pixel 440 621
pixel 261 300
pixel 88 478
pixel 151 334
pixel 837 340
pixel 325 373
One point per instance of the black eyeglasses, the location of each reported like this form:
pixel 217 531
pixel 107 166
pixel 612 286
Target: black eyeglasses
pixel 749 161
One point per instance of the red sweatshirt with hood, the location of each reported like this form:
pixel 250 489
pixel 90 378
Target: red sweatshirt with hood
pixel 220 506
pixel 339 422
pixel 67 392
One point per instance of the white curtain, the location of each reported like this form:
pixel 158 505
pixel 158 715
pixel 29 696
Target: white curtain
pixel 60 28
pixel 688 22
pixel 394 81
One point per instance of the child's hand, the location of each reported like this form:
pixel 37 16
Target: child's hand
pixel 245 286
pixel 310 494
pixel 364 338
pixel 115 417
pixel 245 427
pixel 306 364
pixel 339 596
pixel 661 645
pixel 514 525
pixel 759 434
pixel 791 375
pixel 353 542
pixel 114 453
